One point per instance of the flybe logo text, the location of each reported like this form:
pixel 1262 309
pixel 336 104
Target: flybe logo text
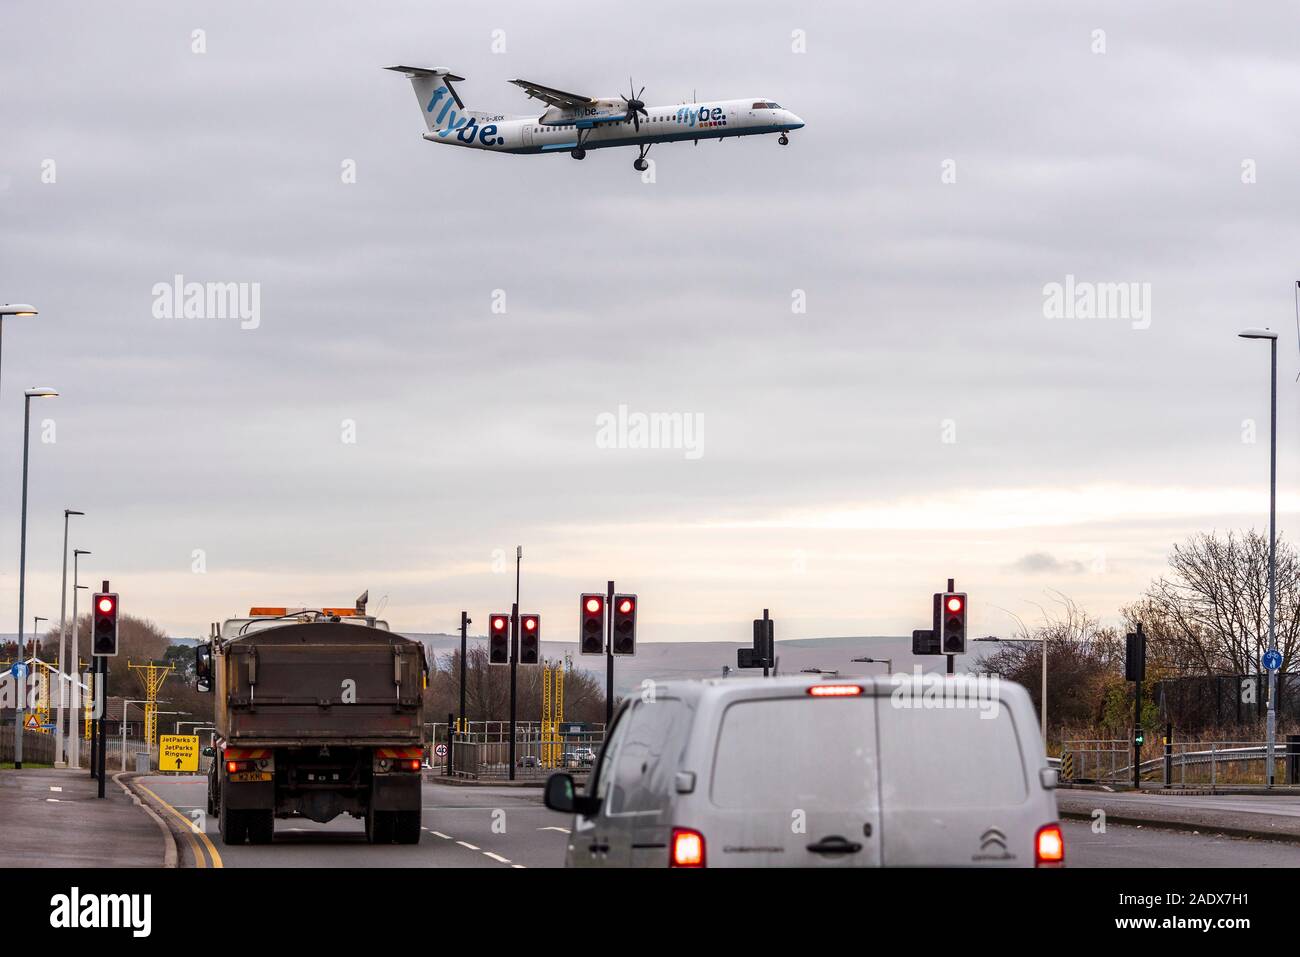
pixel 702 116
pixel 465 128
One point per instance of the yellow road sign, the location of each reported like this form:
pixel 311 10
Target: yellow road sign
pixel 178 752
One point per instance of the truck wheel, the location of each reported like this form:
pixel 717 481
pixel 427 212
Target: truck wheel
pixel 379 827
pixel 407 827
pixel 260 826
pixel 233 825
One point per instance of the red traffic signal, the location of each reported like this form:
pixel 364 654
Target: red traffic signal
pixel 103 626
pixel 624 624
pixel 530 639
pixel 952 637
pixel 591 625
pixel 499 639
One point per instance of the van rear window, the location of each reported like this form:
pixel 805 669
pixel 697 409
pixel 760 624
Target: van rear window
pixel 949 757
pixel 796 753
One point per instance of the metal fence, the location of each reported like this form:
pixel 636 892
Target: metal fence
pixel 1182 764
pixel 483 752
pixel 1216 701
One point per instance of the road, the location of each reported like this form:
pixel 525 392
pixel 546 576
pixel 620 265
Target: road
pixel 509 827
pixel 1123 846
pixel 463 827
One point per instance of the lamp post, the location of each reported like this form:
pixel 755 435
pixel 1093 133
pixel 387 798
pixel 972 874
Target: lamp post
pixel 15 309
pixel 1272 536
pixel 887 662
pixel 74 738
pixel 35 393
pixel 60 758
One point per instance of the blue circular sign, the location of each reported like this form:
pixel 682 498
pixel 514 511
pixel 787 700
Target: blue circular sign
pixel 19 670
pixel 1272 659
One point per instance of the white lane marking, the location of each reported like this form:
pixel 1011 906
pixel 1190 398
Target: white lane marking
pixel 53 800
pixel 445 837
pixel 562 830
pixel 496 857
pixel 53 788
pixel 467 844
pixel 519 866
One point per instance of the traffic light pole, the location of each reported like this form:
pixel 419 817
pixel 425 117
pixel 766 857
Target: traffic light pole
pixel 1137 713
pixel 768 652
pixel 514 670
pixel 464 632
pixel 99 722
pixel 609 656
pixel 952 659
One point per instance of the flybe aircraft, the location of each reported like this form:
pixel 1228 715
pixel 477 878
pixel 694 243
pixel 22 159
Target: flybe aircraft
pixel 577 123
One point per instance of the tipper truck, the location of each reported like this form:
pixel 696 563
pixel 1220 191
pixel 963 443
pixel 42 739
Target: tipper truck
pixel 318 712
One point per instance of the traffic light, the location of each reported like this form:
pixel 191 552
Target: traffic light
pixel 530 639
pixel 952 629
pixel 591 639
pixel 625 624
pixel 499 639
pixel 103 625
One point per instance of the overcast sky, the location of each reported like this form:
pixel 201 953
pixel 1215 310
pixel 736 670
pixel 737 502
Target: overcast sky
pixel 923 418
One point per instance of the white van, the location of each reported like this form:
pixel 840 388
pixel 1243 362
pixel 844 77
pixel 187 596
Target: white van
pixel 897 771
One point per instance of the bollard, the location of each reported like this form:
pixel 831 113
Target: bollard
pixel 1169 755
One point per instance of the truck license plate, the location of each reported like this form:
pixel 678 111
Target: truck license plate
pixel 251 776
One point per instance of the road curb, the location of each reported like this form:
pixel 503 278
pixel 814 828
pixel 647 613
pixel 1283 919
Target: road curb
pixel 171 853
pixel 1185 826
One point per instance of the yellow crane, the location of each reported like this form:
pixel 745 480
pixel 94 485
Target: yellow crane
pixel 153 675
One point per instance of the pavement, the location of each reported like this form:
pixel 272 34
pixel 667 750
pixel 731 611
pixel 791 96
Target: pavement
pixel 53 818
pixel 1274 817
pixel 484 826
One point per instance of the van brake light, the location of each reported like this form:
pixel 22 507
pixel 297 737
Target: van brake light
pixel 1049 846
pixel 834 691
pixel 688 848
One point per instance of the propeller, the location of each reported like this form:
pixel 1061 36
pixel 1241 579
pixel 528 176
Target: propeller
pixel 634 105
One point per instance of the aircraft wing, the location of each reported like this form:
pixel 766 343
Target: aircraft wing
pixel 553 96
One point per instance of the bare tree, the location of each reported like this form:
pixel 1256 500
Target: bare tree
pixel 1210 614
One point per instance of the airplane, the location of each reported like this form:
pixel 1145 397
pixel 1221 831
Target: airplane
pixel 576 123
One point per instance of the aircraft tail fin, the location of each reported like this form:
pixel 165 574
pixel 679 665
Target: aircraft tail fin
pixel 439 101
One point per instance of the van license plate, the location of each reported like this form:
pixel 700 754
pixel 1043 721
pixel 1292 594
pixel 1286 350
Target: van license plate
pixel 251 776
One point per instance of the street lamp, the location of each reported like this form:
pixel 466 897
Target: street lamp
pixel 35 393
pixel 1272 536
pixel 74 739
pixel 15 309
pixel 887 662
pixel 60 753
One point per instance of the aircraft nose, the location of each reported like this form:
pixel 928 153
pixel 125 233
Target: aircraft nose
pixel 794 121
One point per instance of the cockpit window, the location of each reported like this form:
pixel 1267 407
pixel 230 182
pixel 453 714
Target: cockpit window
pixel 765 105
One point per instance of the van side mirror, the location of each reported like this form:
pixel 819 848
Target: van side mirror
pixel 561 795
pixel 209 752
pixel 1049 777
pixel 202 685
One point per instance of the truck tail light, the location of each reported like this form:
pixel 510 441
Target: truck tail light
pixel 687 848
pixel 233 766
pixel 1049 846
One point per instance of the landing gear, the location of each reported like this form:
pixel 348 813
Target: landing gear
pixel 783 140
pixel 578 154
pixel 639 164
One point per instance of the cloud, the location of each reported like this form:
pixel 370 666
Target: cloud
pixel 1041 563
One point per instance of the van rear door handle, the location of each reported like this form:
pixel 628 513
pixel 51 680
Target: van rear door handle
pixel 835 845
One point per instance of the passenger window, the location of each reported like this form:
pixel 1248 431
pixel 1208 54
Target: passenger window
pixel 598 786
pixel 649 757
